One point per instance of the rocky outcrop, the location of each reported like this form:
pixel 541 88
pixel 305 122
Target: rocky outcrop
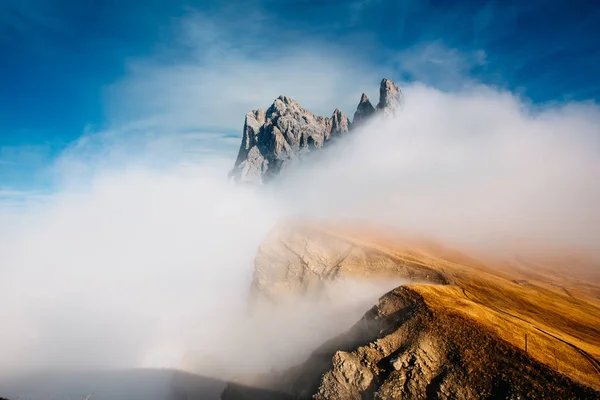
pixel 458 329
pixel 405 349
pixel 390 98
pixel 276 137
pixel 300 258
pixel 339 124
pixel 364 111
pixel 273 139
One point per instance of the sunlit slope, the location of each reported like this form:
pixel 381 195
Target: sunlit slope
pixel 541 307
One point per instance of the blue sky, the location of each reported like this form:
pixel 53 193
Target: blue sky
pixel 107 70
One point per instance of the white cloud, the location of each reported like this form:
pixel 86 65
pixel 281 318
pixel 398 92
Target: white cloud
pixel 117 266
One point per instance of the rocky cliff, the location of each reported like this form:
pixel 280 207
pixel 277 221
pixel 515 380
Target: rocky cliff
pixel 298 259
pixel 404 348
pixel 273 138
pixel 460 327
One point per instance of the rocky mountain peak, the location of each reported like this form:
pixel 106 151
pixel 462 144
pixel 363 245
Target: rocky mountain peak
pixel 275 137
pixel 272 139
pixel 339 123
pixel 364 110
pixel 390 98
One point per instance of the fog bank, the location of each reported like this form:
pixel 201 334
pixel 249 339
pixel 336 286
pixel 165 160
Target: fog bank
pixel 150 267
pixel 478 167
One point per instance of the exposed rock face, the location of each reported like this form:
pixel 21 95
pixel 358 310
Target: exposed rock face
pixel 404 349
pixel 364 110
pixel 390 98
pixel 452 335
pixel 299 259
pixel 250 162
pixel 339 123
pixel 273 139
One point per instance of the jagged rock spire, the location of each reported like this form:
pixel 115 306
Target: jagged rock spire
pixel 273 139
pixel 364 110
pixel 250 163
pixel 390 98
pixel 339 123
pixel 286 130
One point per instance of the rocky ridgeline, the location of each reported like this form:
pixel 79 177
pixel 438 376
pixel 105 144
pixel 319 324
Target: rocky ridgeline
pixel 403 348
pixel 274 138
pixel 412 344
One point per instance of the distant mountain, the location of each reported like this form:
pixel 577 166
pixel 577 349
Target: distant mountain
pixel 273 139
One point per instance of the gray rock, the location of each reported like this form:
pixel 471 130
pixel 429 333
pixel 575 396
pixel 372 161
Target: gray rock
pixel 282 134
pixel 339 123
pixel 250 163
pixel 364 110
pixel 274 138
pixel 390 98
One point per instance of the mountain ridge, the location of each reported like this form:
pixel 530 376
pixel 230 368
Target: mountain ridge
pixel 274 138
pixel 463 327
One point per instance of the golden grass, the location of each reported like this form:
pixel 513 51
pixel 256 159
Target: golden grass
pixel 544 300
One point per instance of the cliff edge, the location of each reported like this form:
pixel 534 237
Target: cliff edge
pixel 463 327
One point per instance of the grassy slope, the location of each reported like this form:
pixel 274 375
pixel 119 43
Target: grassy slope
pixel 559 313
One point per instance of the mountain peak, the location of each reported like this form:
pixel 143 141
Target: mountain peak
pixel 364 110
pixel 286 130
pixel 390 98
pixel 273 139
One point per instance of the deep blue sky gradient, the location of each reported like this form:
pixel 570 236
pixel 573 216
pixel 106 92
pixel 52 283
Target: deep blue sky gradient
pixel 57 57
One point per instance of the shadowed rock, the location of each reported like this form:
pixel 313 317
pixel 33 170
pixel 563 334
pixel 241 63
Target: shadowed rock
pixel 364 110
pixel 390 98
pixel 404 349
pixel 273 139
pixel 445 337
pixel 297 259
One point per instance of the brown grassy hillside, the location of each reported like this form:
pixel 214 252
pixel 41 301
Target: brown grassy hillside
pixel 463 325
pixel 545 305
